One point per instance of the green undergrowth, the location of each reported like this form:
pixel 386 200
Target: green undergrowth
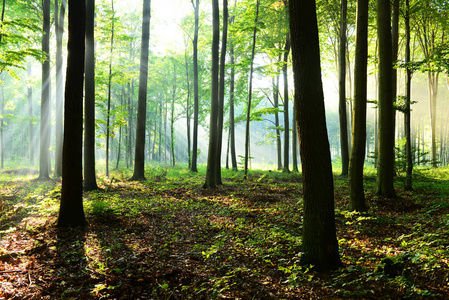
pixel 167 238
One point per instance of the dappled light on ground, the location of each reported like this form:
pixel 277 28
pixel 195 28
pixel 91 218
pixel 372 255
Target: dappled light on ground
pixel 169 239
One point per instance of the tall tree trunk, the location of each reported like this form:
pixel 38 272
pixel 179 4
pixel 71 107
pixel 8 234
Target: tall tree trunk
pixel 139 157
pixel 357 159
pixel 71 213
pixel 211 179
pixel 90 181
pixel 286 113
pixel 344 140
pixel 59 25
pixel 294 142
pixel 385 165
pixel 122 100
pixel 2 124
pixel 189 153
pixel 172 119
pixel 433 90
pixel 319 246
pixel 250 91
pixel 231 106
pixel 408 89
pixel 108 113
pixel 221 91
pixel 30 116
pixel 44 156
pixel 196 7
pixel 276 121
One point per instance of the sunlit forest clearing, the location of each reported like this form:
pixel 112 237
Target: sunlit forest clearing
pixel 266 149
pixel 168 238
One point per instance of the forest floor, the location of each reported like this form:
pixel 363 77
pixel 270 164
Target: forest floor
pixel 167 238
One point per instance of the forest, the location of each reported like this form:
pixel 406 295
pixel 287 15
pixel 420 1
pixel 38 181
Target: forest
pixel 265 149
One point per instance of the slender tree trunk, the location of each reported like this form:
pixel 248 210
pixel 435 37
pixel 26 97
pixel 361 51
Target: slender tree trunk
pixel 194 168
pixel 286 112
pixel 211 178
pixel 2 124
pixel 231 107
pixel 250 91
pixel 357 159
pixel 108 114
pixel 71 213
pixel 59 25
pixel 319 246
pixel 172 119
pixel 221 90
pixel 30 116
pixel 90 181
pixel 276 121
pixel 294 141
pixel 189 153
pixel 139 157
pixel 433 90
pixel 408 89
pixel 44 156
pixel 344 140
pixel 385 166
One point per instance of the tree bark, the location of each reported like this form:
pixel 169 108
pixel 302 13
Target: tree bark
pixel 139 157
pixel 344 140
pixel 385 164
pixel 71 213
pixel 231 108
pixel 250 91
pixel 44 156
pixel 357 159
pixel 320 246
pixel 59 25
pixel 408 89
pixel 108 113
pixel 221 91
pixel 90 181
pixel 194 168
pixel 286 113
pixel 211 179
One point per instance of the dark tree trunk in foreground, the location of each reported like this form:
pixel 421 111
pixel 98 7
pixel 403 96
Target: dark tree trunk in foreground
pixel 59 25
pixel 139 159
pixel 71 213
pixel 221 91
pixel 344 140
pixel 407 115
pixel 320 246
pixel 250 91
pixel 196 7
pixel 211 179
pixel 44 156
pixel 90 181
pixel 357 160
pixel 385 164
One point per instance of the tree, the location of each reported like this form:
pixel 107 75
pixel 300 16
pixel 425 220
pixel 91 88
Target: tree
pixel 385 164
pixel 59 25
pixel 357 158
pixel 108 113
pixel 320 246
pixel 71 213
pixel 139 160
pixel 44 156
pixel 221 91
pixel 408 89
pixel 232 104
pixel 211 178
pixel 344 140
pixel 196 7
pixel 250 91
pixel 90 182
pixel 286 114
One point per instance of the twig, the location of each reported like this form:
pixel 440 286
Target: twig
pixel 13 271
